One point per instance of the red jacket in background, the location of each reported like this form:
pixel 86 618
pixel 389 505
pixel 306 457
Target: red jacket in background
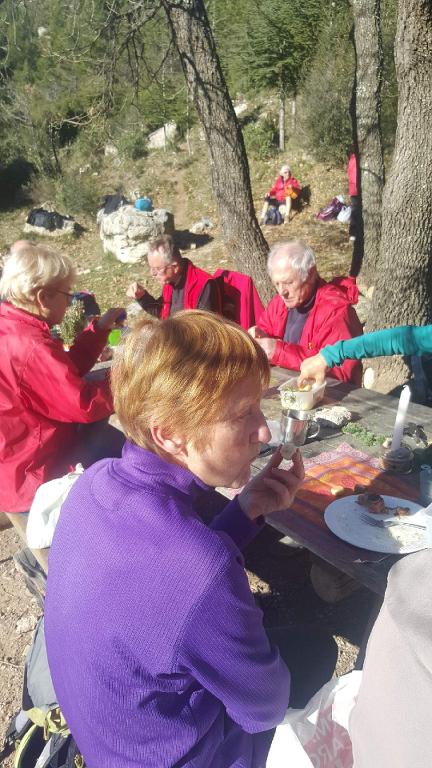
pixel 240 298
pixel 352 175
pixel 281 188
pixel 196 279
pixel 42 399
pixel 331 319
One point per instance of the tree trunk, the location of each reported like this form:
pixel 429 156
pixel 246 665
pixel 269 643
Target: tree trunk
pixel 293 113
pixel 369 66
pixel 229 168
pixel 282 122
pixel 403 292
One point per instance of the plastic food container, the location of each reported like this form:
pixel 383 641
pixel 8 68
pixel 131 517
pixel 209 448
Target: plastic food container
pixel 292 397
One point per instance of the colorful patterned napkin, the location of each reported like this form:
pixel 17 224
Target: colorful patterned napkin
pixel 328 474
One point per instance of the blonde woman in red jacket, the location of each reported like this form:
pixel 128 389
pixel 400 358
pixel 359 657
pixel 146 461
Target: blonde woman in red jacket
pixel 43 395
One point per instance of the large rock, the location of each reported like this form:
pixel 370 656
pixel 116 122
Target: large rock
pixel 125 233
pixel 160 138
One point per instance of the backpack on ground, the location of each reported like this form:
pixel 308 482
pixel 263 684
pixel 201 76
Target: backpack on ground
pixel 50 220
pixel 273 215
pixel 38 735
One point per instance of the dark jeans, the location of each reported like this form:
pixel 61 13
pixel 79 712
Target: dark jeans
pixel 310 655
pixel 354 225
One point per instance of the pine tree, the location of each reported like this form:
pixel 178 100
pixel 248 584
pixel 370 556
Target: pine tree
pixel 280 38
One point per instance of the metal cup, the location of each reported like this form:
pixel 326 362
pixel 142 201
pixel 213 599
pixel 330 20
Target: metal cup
pixel 296 427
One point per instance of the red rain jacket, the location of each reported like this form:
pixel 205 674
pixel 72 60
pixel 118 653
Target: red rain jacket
pixel 281 189
pixel 240 298
pixel 352 171
pixel 196 279
pixel 331 319
pixel 42 399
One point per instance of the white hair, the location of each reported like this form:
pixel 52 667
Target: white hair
pixel 285 169
pixel 30 269
pixel 164 245
pixel 300 256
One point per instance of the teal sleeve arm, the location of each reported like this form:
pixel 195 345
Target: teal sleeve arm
pixel 403 340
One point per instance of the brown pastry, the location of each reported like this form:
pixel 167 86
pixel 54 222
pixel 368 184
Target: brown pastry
pixel 373 502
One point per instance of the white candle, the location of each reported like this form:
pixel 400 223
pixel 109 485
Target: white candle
pixel 400 418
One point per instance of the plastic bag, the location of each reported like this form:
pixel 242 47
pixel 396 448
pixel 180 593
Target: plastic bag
pixel 317 736
pixel 344 214
pixel 45 509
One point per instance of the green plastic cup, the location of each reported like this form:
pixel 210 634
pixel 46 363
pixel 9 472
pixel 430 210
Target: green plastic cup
pixel 114 337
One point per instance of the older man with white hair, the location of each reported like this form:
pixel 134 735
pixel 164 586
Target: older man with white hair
pixel 308 313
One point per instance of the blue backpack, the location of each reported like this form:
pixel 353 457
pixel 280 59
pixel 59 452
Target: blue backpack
pixel 273 216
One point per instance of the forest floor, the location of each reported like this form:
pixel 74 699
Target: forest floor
pixel 279 574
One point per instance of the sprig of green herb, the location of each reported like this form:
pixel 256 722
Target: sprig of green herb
pixel 362 434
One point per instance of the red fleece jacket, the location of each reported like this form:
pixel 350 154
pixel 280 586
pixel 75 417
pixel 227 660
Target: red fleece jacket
pixel 42 399
pixel 331 319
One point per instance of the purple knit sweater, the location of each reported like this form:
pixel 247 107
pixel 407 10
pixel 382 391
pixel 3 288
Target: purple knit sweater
pixel 156 648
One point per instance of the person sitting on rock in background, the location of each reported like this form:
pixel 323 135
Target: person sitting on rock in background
pixel 43 395
pixel 307 313
pixel 184 286
pixel 285 189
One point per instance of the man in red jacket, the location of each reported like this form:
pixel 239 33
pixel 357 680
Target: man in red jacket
pixel 307 313
pixel 184 286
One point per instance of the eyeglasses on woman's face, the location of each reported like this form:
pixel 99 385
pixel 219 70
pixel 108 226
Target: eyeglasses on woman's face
pixel 70 296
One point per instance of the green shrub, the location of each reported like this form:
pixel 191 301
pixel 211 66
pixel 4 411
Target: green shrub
pixel 132 146
pixel 260 138
pixel 73 323
pixel 76 193
pixel 72 193
pixel 324 118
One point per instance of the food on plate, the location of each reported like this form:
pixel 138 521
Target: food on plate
pixel 288 450
pixel 399 511
pixel 360 488
pixel 373 502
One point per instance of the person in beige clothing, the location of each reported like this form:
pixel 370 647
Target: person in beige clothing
pixel 390 723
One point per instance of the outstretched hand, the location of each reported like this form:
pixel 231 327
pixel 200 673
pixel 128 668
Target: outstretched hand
pixel 256 332
pixel 312 368
pixel 273 489
pixel 135 291
pixel 268 345
pixel 112 318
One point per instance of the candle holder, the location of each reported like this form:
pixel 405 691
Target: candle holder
pixel 399 460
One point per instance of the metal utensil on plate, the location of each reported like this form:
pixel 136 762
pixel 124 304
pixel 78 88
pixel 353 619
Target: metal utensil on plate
pixel 389 523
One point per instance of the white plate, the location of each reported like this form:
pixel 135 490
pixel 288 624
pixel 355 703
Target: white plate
pixel 343 517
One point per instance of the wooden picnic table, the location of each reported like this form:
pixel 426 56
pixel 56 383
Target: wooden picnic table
pixel 375 411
